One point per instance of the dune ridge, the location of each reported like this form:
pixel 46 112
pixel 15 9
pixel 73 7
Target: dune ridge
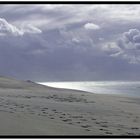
pixel 28 108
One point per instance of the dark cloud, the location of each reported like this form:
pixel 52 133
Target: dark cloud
pixel 50 43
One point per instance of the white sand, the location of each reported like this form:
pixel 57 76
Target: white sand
pixel 30 109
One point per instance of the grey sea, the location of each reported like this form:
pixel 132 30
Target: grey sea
pixel 125 88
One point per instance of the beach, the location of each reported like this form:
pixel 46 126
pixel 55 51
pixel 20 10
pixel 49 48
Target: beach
pixel 27 108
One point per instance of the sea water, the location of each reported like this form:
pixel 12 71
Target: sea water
pixel 101 87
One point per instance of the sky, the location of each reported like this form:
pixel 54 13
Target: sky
pixel 70 42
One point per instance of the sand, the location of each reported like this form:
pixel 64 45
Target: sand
pixel 27 108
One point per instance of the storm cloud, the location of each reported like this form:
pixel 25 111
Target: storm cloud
pixel 70 42
pixel 128 47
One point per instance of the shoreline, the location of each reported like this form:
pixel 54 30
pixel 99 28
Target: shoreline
pixel 108 94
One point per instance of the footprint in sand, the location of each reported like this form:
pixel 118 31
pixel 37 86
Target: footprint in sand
pixel 97 122
pixel 45 108
pixel 135 128
pixel 64 114
pixel 52 118
pixel 129 133
pixel 85 126
pixel 78 122
pixel 56 112
pixel 102 129
pixel 11 112
pixel 87 129
pixel 21 106
pixel 68 114
pixel 66 120
pixel 93 119
pixel 104 126
pixel 61 117
pixel 108 132
pixel 11 108
pixel 44 112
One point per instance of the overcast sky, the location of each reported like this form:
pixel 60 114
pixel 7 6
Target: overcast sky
pixel 70 42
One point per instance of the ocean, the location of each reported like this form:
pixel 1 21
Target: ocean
pixel 101 87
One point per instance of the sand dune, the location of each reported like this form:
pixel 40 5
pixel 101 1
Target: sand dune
pixel 27 108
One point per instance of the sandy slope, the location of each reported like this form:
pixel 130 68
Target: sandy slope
pixel 30 109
